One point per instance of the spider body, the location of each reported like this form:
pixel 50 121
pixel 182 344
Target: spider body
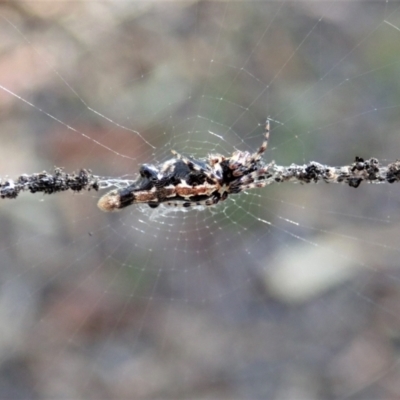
pixel 184 181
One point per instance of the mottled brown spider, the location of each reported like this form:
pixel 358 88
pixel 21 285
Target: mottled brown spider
pixel 185 181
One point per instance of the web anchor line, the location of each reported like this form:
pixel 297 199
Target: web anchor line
pixel 359 171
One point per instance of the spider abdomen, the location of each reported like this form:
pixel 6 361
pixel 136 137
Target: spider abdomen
pixel 186 181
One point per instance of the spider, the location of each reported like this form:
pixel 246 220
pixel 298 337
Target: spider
pixel 185 181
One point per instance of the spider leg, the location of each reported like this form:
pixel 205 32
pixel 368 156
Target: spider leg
pixel 260 174
pixel 241 162
pixel 257 155
pixel 254 185
pixel 256 179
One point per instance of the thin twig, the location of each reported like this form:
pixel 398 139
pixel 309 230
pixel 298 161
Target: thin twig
pixel 368 171
pixel 48 183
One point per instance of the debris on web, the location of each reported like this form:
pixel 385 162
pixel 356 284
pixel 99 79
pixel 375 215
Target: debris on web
pixel 47 183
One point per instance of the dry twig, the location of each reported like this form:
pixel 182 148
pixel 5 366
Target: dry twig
pixel 48 183
pixel 369 171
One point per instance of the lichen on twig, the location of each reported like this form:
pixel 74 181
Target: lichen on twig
pixel 47 183
pixel 361 170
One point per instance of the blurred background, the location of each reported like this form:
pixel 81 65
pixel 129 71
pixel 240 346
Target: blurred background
pixel 286 292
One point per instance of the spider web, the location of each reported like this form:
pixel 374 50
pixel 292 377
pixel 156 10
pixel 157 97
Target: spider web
pixel 284 292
